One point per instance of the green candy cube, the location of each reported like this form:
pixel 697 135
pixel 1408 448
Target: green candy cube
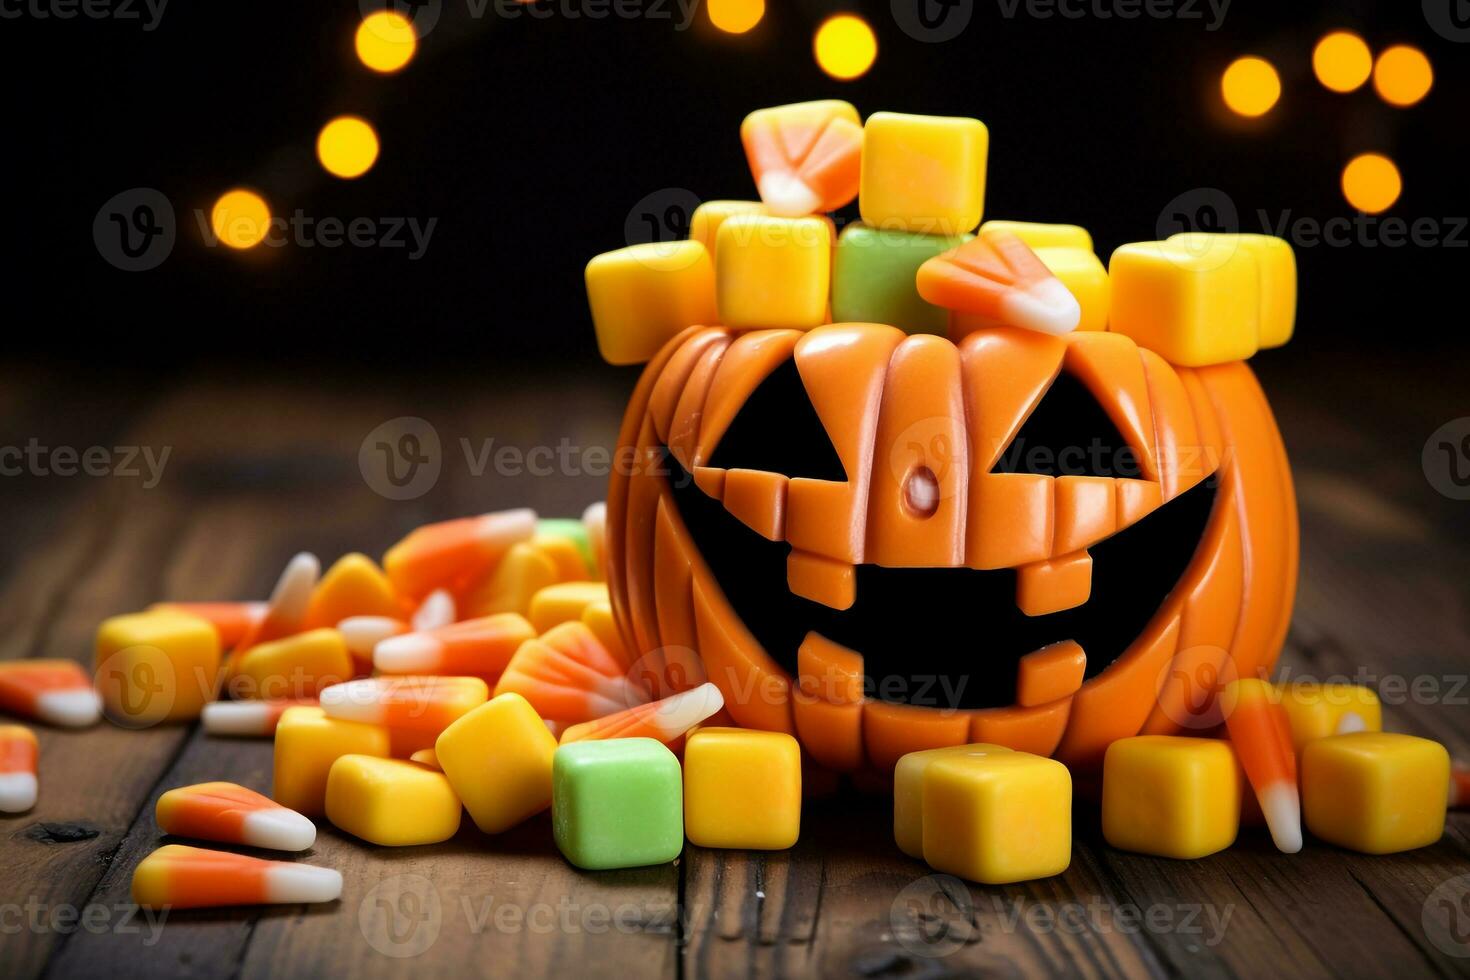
pixel 617 803
pixel 873 278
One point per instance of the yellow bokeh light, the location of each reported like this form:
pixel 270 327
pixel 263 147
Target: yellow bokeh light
pixel 385 41
pixel 240 218
pixel 845 46
pixel 347 147
pixel 1250 86
pixel 1371 183
pixel 736 16
pixel 1342 61
pixel 1403 75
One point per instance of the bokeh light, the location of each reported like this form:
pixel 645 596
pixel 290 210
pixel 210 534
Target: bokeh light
pixel 1371 183
pixel 240 218
pixel 1403 75
pixel 347 147
pixel 1250 86
pixel 385 41
pixel 736 16
pixel 1342 61
pixel 845 46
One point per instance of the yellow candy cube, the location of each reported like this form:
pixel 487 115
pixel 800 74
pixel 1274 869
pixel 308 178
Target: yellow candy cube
pixel 643 295
pixel 498 759
pixel 1084 275
pixel 294 666
pixel 1169 796
pixel 742 788
pixel 704 226
pixel 564 554
pixel 773 272
pixel 353 586
pixel 1191 306
pixel 923 173
pixel 524 571
pixel 1319 710
pixel 998 818
pixel 564 602
pixel 1276 267
pixel 1043 236
pixel 156 666
pixel 1375 792
pixel 391 802
pixel 908 791
pixel 598 617
pixel 307 744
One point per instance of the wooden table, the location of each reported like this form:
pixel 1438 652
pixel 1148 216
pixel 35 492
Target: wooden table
pixel 263 465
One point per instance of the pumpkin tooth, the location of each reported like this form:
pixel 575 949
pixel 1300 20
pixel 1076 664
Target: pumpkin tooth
pixel 1051 673
pixel 1044 587
pixel 821 579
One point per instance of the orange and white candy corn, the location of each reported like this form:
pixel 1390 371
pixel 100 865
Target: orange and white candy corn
pixel 805 157
pixel 1459 785
pixel 997 280
pixel 1260 730
pixel 233 621
pixel 435 611
pixel 256 718
pixel 479 647
pixel 594 519
pixel 454 554
pixel 665 720
pixel 235 815
pixel 413 703
pixel 57 692
pixel 362 634
pixel 18 782
pixel 568 676
pixel 286 611
pixel 181 877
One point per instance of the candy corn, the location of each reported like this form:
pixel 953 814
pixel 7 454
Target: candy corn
pixel 435 611
pixel 418 704
pixel 286 612
pixel 233 814
pixel 231 620
pixel 997 278
pixel 362 634
pixel 18 784
pixel 1459 785
pixel 476 647
pixel 594 518
pixel 664 720
pixel 353 586
pixel 57 692
pixel 805 157
pixel 453 554
pixel 248 718
pixel 568 676
pixel 181 877
pixel 1258 727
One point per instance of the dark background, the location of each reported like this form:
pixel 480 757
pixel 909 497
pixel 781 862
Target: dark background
pixel 530 139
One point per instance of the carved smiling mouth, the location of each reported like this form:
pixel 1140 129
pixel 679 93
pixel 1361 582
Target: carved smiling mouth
pixel 946 637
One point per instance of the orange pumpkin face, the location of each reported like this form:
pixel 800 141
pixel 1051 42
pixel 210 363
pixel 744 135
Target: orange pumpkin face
pixel 882 543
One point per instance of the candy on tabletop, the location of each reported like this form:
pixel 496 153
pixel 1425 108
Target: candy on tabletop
pixel 563 603
pixel 480 647
pixel 1171 796
pixel 1376 792
pixel 524 571
pixel 498 760
pixel 232 620
pixel 156 666
pixel 286 610
pixel 420 703
pixel 454 554
pixel 908 791
pixel 248 718
pixel 307 743
pixel 57 692
pixel 301 665
pixel 1317 710
pixel 391 802
pixel 1261 735
pixel 742 788
pixel 568 676
pixel 664 720
pixel 617 803
pixel 233 814
pixel 177 876
pixel 353 586
pixel 435 611
pixel 999 280
pixel 18 769
pixel 362 634
pixel 806 158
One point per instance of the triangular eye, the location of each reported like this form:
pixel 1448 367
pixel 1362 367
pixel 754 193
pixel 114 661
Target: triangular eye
pixel 777 430
pixel 1070 434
